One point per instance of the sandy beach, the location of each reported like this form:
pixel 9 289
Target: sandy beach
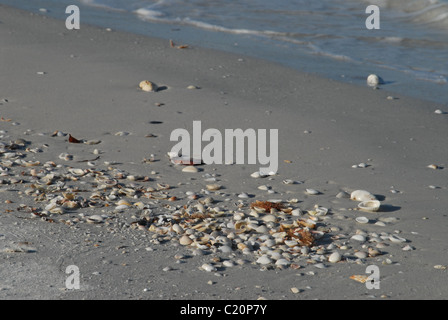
pixel 332 137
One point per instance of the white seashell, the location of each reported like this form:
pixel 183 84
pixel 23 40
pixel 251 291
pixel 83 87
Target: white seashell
pixel 95 219
pixel 282 262
pixel 319 211
pixel 262 229
pixel 362 195
pixel 185 240
pixel 177 228
pixel 121 208
pixel 397 239
pixel 296 212
pixel 361 254
pixel 358 237
pixel 208 267
pixel 372 205
pixel 243 195
pixel 264 259
pixel 269 218
pixel 264 187
pixel 213 187
pixel 335 257
pixel 291 243
pixel 312 191
pixel 77 172
pixel 362 220
pixel 342 195
pixel 258 174
pixel 373 80
pixel 191 169
pixel 148 86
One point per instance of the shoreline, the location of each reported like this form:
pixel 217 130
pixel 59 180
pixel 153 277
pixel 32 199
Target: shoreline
pixel 85 83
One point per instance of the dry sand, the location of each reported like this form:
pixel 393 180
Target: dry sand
pixel 89 88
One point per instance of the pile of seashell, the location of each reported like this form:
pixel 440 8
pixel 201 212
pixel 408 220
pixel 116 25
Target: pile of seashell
pixel 273 234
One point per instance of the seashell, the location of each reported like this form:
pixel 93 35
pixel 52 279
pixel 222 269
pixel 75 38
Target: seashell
pixel 360 254
pixel 358 237
pixel 312 191
pixel 319 211
pixel 433 166
pixel 31 163
pixel 362 195
pixel 282 262
pixel 262 229
pixel 208 267
pixel 296 212
pixel 123 203
pixel 148 86
pixel 191 169
pixel 269 218
pixel 342 195
pixel 373 252
pixel 291 243
pixel 397 239
pixel 335 257
pixel 121 208
pixel 77 172
pixel 372 205
pixel 373 80
pixel 362 220
pixel 213 187
pixel 70 205
pixel 92 142
pixel 177 228
pixel 264 259
pixel 359 278
pixel 258 174
pixel 185 240
pixel 95 219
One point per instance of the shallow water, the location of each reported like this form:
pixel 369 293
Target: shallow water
pixel 328 37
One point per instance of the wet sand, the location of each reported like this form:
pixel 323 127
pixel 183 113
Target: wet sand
pixel 85 83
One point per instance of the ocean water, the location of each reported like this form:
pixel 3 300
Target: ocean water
pixel 328 37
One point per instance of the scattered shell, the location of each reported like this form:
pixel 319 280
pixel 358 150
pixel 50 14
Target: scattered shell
pixel 372 205
pixel 312 191
pixel 335 257
pixel 264 259
pixel 208 267
pixel 362 220
pixel 440 267
pixel 191 169
pixel 191 87
pixel 213 187
pixel 258 174
pixel 361 254
pixel 148 86
pixel 185 240
pixel 95 219
pixel 342 195
pixel 396 239
pixel 362 195
pixel 360 278
pixel 295 290
pixel 358 237
pixel 433 166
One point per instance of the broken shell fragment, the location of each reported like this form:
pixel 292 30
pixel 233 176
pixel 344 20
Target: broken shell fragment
pixel 372 205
